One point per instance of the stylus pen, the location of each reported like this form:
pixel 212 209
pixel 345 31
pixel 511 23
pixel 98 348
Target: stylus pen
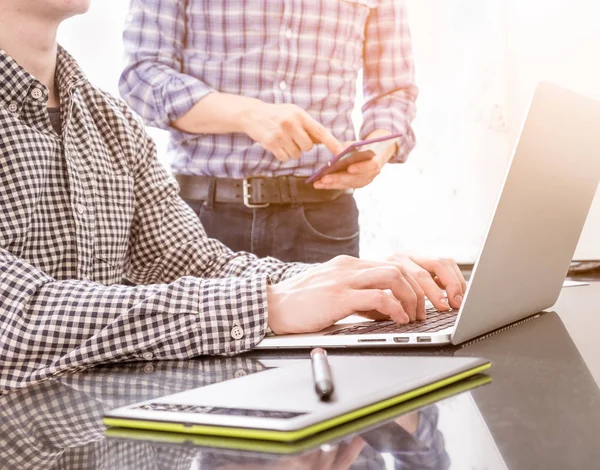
pixel 321 373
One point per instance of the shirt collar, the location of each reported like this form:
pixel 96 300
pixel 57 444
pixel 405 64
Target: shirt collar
pixel 16 82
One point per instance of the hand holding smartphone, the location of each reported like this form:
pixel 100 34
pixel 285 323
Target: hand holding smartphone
pixel 354 153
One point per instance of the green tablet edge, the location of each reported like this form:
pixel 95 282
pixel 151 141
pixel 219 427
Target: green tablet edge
pixel 274 447
pixel 287 436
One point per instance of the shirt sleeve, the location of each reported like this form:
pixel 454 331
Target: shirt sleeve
pixel 191 295
pixel 153 82
pixel 388 75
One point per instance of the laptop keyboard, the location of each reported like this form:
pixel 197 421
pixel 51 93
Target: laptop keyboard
pixel 436 321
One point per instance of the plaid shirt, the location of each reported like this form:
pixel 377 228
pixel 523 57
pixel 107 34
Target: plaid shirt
pixel 58 424
pixel 280 51
pixel 88 209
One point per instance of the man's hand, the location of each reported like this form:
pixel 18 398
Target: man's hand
pixel 433 275
pixel 393 289
pixel 285 130
pixel 327 293
pixel 359 174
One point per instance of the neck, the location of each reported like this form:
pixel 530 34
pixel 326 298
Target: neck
pixel 31 40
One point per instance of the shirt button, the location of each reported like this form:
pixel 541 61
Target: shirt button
pixel 237 332
pixel 289 34
pixel 148 356
pixel 240 373
pixel 36 93
pixel 80 209
pixel 282 85
pixel 12 107
pixel 148 368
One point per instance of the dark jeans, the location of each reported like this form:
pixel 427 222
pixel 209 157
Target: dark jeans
pixel 309 233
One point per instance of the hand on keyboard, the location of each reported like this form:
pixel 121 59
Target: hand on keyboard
pixel 324 294
pixel 433 275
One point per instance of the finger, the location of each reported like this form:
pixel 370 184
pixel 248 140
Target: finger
pixel 347 453
pixel 302 139
pixel 319 134
pixel 463 282
pixel 325 459
pixel 388 277
pixel 374 315
pixel 344 180
pixel 281 154
pixel 363 300
pixel 367 166
pixel 430 288
pixel 421 314
pixel 444 269
pixel 292 149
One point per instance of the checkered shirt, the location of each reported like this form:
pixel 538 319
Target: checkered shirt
pixel 100 260
pixel 58 424
pixel 304 52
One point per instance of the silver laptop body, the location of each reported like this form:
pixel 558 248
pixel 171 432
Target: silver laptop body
pixel 537 222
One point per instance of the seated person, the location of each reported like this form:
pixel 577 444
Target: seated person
pixel 101 261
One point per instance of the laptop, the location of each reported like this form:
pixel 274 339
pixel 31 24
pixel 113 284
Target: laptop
pixel 535 228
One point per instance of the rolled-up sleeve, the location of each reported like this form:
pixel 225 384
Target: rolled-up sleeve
pixel 153 82
pixel 388 75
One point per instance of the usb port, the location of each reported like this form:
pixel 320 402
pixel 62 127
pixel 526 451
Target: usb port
pixel 424 339
pixel 374 340
pixel 401 339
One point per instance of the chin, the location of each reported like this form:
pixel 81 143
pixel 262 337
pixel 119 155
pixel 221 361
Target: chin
pixel 68 8
pixel 77 7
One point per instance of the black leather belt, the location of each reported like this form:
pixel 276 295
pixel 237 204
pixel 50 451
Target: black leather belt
pixel 254 192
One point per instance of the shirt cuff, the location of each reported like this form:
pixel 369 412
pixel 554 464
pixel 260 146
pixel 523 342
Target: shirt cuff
pixel 178 96
pixel 394 121
pixel 232 314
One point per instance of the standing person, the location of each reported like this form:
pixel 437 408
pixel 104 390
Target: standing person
pixel 257 96
pixel 86 205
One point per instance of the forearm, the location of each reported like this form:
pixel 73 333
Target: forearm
pixel 49 327
pixel 216 113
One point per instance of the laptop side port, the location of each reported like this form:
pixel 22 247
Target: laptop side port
pixel 401 339
pixel 372 340
pixel 424 339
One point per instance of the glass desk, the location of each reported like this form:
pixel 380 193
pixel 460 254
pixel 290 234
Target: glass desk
pixel 541 410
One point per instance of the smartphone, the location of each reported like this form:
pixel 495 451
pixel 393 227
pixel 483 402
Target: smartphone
pixel 354 153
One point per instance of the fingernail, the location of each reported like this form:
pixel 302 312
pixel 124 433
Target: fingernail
pixel 444 301
pixel 458 299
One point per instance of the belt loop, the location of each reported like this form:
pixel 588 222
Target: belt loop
pixel 212 191
pixel 293 185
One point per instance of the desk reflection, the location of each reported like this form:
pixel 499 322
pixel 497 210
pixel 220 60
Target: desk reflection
pixel 57 425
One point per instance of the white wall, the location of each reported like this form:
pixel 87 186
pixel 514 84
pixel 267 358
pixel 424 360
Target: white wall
pixel 477 64
pixel 439 202
pixel 558 41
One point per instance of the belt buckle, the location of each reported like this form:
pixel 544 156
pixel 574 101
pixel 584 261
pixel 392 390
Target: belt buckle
pixel 245 188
